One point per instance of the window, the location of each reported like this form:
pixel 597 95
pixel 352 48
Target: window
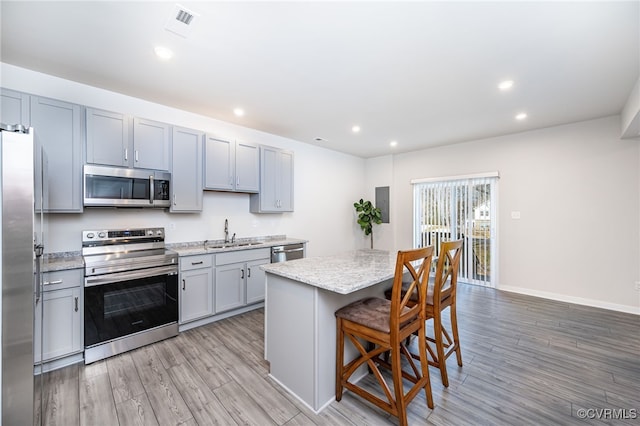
pixel 461 207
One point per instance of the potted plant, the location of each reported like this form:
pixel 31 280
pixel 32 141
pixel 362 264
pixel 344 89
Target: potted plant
pixel 367 216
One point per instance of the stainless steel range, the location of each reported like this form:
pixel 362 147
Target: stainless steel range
pixel 130 290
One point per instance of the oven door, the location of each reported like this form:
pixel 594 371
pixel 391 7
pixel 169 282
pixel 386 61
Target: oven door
pixel 117 305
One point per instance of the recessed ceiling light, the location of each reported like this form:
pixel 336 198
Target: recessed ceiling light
pixel 163 52
pixel 521 116
pixel 239 112
pixel 505 85
pixel 393 144
pixel 355 129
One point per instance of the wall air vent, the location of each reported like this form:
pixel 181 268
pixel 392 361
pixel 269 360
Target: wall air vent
pixel 180 21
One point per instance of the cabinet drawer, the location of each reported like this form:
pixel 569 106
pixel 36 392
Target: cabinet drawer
pixel 56 280
pixel 196 262
pixel 243 256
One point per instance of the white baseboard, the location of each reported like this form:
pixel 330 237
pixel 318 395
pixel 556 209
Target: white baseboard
pixel 572 299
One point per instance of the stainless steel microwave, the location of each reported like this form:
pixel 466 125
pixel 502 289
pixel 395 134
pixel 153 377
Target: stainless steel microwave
pixel 121 187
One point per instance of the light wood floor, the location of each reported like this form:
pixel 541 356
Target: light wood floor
pixel 526 361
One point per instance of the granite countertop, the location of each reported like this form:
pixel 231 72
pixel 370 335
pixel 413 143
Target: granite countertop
pixel 209 246
pixel 342 273
pixel 61 261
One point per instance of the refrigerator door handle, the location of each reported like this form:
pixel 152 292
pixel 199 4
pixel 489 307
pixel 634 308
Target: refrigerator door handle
pixel 38 249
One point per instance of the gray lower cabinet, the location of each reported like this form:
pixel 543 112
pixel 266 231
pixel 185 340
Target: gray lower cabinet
pixel 196 287
pixel 239 279
pixel 276 182
pixel 59 327
pixel 256 281
pixel 186 170
pixel 114 139
pixel 231 166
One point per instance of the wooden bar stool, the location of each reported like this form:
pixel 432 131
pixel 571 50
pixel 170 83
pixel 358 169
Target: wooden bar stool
pixel 441 294
pixel 376 326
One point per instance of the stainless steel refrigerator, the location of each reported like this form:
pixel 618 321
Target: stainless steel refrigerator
pixel 21 246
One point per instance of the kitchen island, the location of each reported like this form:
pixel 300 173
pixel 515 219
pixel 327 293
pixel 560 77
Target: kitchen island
pixel 300 327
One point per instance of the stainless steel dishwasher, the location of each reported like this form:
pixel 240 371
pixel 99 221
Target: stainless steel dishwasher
pixel 287 252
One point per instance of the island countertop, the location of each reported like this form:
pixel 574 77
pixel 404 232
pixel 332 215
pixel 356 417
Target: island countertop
pixel 342 273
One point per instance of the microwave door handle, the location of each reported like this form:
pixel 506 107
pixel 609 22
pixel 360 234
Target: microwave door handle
pixel 151 189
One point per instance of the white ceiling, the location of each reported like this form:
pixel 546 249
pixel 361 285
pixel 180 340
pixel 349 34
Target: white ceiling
pixel 420 73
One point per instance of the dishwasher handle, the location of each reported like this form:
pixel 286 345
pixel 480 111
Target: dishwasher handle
pixel 287 252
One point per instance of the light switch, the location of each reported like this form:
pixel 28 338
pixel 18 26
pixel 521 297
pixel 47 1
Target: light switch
pixel 515 215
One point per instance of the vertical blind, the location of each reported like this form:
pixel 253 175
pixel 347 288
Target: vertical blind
pixel 460 207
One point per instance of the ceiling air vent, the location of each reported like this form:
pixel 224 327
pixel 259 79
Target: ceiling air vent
pixel 180 21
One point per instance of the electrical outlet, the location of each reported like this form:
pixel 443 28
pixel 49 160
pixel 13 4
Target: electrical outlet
pixel 172 226
pixel 638 285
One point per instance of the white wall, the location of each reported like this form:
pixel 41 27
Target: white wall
pixel 576 187
pixel 379 172
pixel 326 183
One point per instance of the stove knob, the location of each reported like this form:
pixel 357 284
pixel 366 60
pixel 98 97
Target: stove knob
pixel 150 232
pixel 90 235
pixel 159 232
pixel 101 234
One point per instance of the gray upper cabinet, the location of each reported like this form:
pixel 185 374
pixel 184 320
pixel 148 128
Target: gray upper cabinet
pixel 231 166
pixel 247 167
pixel 276 182
pixel 186 170
pixel 14 108
pixel 107 138
pixel 58 128
pixel 150 144
pixel 114 139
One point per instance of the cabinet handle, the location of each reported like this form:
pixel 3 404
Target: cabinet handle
pixel 52 282
pixel 76 300
pixel 184 284
pixel 126 154
pixel 242 273
pixel 196 263
pixel 238 181
pixel 248 272
pixel 174 200
pixel 136 155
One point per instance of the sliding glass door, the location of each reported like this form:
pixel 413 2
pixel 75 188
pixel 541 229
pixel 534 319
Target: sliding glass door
pixel 459 208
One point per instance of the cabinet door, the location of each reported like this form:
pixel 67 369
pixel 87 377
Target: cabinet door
pixel 14 107
pixel 196 294
pixel 255 281
pixel 247 167
pixel 186 170
pixel 150 144
pixel 219 155
pixel 61 332
pixel 230 287
pixel 108 138
pixel 58 129
pixel 284 188
pixel 276 182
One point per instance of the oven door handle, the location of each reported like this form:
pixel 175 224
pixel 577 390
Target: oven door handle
pixel 91 281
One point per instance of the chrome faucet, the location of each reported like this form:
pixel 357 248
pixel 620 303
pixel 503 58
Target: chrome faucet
pixel 233 238
pixel 226 230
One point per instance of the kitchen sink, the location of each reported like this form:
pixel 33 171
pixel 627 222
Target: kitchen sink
pixel 231 245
